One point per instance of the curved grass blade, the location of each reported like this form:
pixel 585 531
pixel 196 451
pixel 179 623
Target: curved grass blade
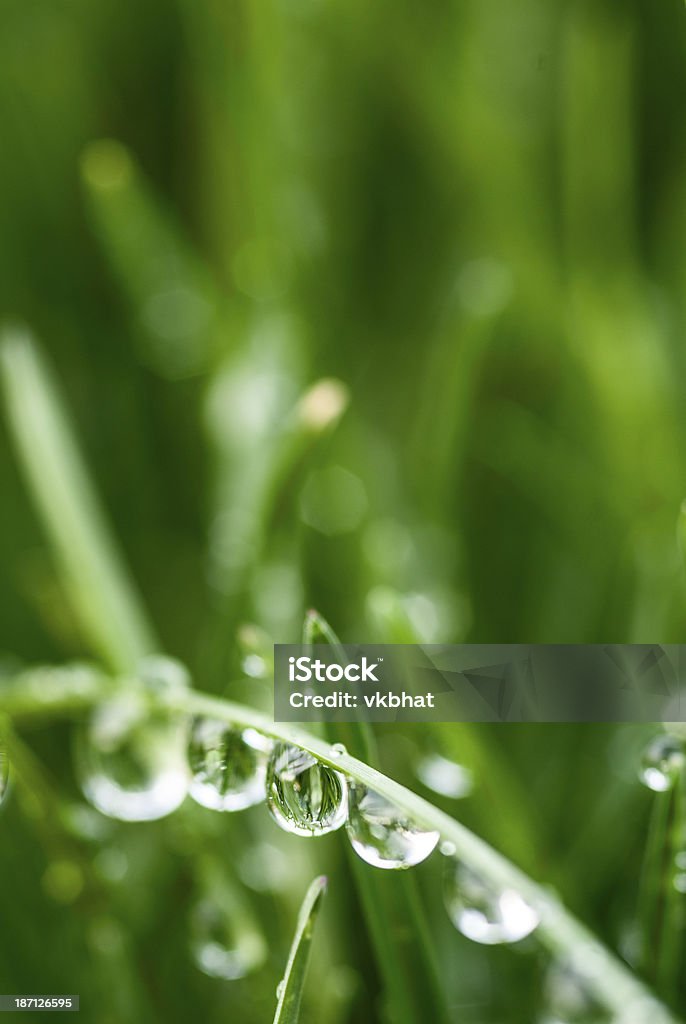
pixel 100 588
pixel 607 977
pixel 291 988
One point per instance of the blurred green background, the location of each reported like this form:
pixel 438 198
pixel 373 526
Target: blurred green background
pixel 467 218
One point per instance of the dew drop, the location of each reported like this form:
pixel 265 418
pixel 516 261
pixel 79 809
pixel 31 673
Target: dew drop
pixel 280 987
pixel 484 913
pixel 680 860
pixel 228 765
pixel 661 763
pixel 130 760
pixel 338 750
pixel 219 946
pixel 382 835
pixel 4 772
pixel 447 778
pixel 304 796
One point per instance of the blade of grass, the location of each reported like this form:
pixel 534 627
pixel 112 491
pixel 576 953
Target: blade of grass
pixel 608 978
pixel 671 939
pixel 102 592
pixel 651 888
pixel 174 301
pixel 291 988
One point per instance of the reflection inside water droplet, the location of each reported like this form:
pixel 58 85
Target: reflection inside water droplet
pixel 304 796
pixel 382 835
pixel 662 762
pixel 228 765
pixel 484 913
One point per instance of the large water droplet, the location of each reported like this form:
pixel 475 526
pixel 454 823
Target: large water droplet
pixel 304 796
pixel 483 912
pixel 228 765
pixel 662 762
pixel 220 945
pixel 4 772
pixel 382 835
pixel 131 760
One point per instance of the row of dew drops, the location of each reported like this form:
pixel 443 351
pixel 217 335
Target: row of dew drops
pixel 138 763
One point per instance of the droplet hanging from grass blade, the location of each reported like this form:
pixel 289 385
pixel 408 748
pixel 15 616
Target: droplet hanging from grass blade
pixel 228 765
pixel 130 760
pixel 382 835
pixel 304 796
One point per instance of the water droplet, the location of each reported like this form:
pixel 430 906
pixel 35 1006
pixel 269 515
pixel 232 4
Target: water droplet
pixel 447 848
pixel 447 778
pixel 680 860
pixel 382 835
pixel 4 773
pixel 280 987
pixel 228 765
pixel 661 763
pixel 303 795
pixel 131 760
pixel 338 750
pixel 220 945
pixel 484 913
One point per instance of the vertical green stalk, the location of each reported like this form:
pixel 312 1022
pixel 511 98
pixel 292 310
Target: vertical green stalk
pixel 102 592
pixel 392 906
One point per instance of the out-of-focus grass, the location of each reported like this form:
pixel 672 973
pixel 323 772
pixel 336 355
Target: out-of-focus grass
pixel 475 219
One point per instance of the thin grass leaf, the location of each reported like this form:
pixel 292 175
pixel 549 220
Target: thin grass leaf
pixel 291 988
pixel 170 291
pixel 102 592
pixel 673 918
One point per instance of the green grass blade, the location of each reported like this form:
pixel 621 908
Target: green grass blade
pixel 291 988
pixel 99 587
pixel 174 302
